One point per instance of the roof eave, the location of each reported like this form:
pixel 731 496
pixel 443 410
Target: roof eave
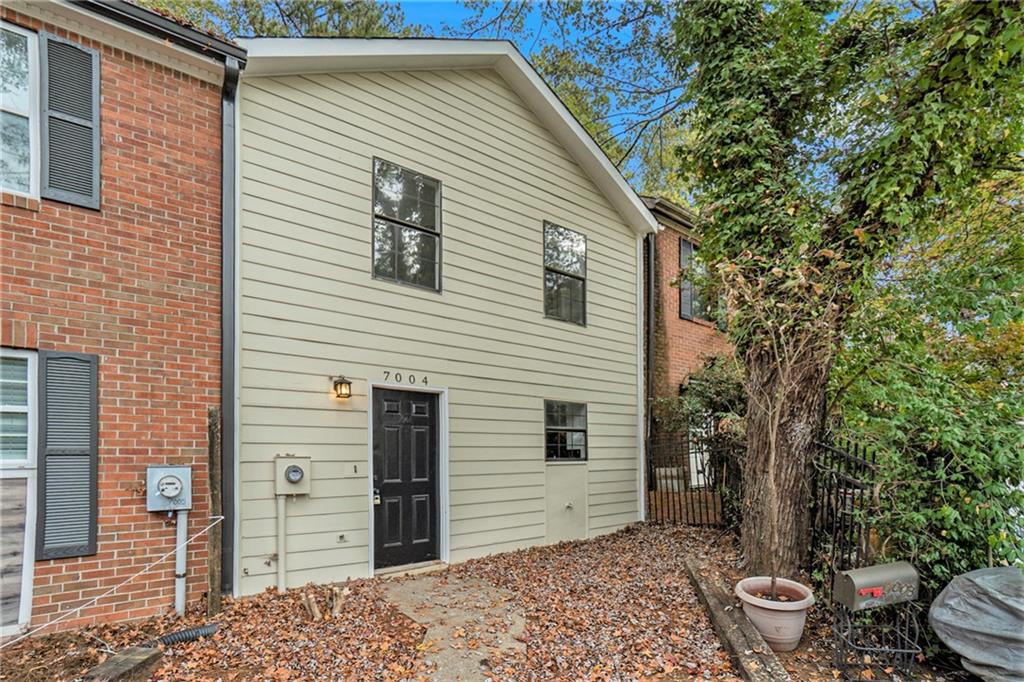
pixel 159 26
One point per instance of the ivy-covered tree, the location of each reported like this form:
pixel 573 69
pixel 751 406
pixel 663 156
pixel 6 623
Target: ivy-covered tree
pixel 824 138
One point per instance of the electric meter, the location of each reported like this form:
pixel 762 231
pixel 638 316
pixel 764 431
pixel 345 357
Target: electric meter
pixel 168 488
pixel 294 473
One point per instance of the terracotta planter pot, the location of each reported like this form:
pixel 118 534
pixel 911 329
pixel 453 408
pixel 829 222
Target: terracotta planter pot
pixel 781 623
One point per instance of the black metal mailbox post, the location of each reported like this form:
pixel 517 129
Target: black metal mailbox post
pixel 875 624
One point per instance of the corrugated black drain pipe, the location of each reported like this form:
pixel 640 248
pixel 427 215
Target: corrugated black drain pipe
pixel 189 635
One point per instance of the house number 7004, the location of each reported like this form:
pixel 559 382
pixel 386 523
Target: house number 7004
pixel 400 378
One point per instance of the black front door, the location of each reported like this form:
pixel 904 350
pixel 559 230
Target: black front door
pixel 405 477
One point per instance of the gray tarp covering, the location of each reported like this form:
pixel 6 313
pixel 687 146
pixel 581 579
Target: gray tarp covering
pixel 980 615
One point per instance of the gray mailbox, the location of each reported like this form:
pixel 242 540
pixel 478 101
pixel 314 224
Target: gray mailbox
pixel 879 585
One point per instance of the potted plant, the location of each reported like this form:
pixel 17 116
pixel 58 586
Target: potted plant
pixel 777 607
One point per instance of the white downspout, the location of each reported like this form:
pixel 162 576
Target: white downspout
pixel 181 550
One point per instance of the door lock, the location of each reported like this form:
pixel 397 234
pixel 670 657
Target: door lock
pixel 376 497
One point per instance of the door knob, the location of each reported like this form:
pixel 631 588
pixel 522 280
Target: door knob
pixel 376 496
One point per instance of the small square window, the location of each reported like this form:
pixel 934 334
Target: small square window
pixel 565 274
pixel 565 431
pixel 406 226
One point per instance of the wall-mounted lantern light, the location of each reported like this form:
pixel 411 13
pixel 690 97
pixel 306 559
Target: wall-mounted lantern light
pixel 342 387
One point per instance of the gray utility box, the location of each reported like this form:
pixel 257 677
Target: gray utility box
pixel 292 475
pixel 168 488
pixel 879 585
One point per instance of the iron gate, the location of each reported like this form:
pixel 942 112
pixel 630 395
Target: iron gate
pixel 693 478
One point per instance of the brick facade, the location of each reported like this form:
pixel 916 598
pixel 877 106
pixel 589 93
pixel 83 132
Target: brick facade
pixel 680 345
pixel 138 284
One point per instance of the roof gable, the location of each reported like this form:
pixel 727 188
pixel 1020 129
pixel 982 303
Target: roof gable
pixel 289 56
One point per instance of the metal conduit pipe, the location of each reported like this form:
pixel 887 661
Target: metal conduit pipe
pixel 181 549
pixel 282 548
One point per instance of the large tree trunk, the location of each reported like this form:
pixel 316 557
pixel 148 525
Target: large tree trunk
pixel 785 416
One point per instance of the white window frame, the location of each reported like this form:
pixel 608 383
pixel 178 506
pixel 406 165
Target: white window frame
pixel 25 469
pixel 33 109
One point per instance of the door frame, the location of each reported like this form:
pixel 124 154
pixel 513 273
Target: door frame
pixel 442 464
pixel 26 470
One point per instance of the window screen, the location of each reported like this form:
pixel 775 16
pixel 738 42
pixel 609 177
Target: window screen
pixel 565 430
pixel 565 274
pixel 406 226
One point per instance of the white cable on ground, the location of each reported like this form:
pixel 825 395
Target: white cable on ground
pixel 215 519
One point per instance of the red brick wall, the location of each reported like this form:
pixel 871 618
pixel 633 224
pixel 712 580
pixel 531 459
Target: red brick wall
pixel 680 345
pixel 138 284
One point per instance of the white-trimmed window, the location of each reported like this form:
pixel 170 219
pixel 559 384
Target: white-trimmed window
pixel 406 226
pixel 18 419
pixel 17 407
pixel 565 274
pixel 565 431
pixel 19 110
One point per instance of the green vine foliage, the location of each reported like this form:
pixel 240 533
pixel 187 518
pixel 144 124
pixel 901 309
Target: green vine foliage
pixel 931 374
pixel 714 390
pixel 833 145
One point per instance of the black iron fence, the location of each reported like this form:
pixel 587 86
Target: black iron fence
pixel 693 478
pixel 845 499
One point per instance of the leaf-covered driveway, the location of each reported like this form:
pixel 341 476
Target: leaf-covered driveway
pixel 618 607
pixel 613 608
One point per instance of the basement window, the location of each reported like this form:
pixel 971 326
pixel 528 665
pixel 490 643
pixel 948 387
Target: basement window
pixel 406 226
pixel 565 431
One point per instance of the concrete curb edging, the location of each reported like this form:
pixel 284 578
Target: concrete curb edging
pixel 135 663
pixel 754 659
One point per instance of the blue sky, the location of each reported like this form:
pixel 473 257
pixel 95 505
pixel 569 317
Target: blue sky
pixel 432 13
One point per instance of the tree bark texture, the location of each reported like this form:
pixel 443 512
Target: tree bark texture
pixel 785 417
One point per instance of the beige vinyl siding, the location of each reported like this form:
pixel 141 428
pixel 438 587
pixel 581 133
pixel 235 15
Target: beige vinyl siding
pixel 310 309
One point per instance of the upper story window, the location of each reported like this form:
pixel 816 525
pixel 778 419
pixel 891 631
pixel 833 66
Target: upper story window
pixel 565 274
pixel 19 110
pixel 691 306
pixel 49 117
pixel 406 226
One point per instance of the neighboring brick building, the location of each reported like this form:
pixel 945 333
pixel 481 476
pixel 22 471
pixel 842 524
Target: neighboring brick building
pixel 683 336
pixel 682 339
pixel 111 261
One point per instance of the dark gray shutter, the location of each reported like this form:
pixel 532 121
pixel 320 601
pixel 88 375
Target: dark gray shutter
pixel 70 91
pixel 685 285
pixel 68 455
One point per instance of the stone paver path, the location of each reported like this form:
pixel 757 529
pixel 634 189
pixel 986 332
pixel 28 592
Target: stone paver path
pixel 466 620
